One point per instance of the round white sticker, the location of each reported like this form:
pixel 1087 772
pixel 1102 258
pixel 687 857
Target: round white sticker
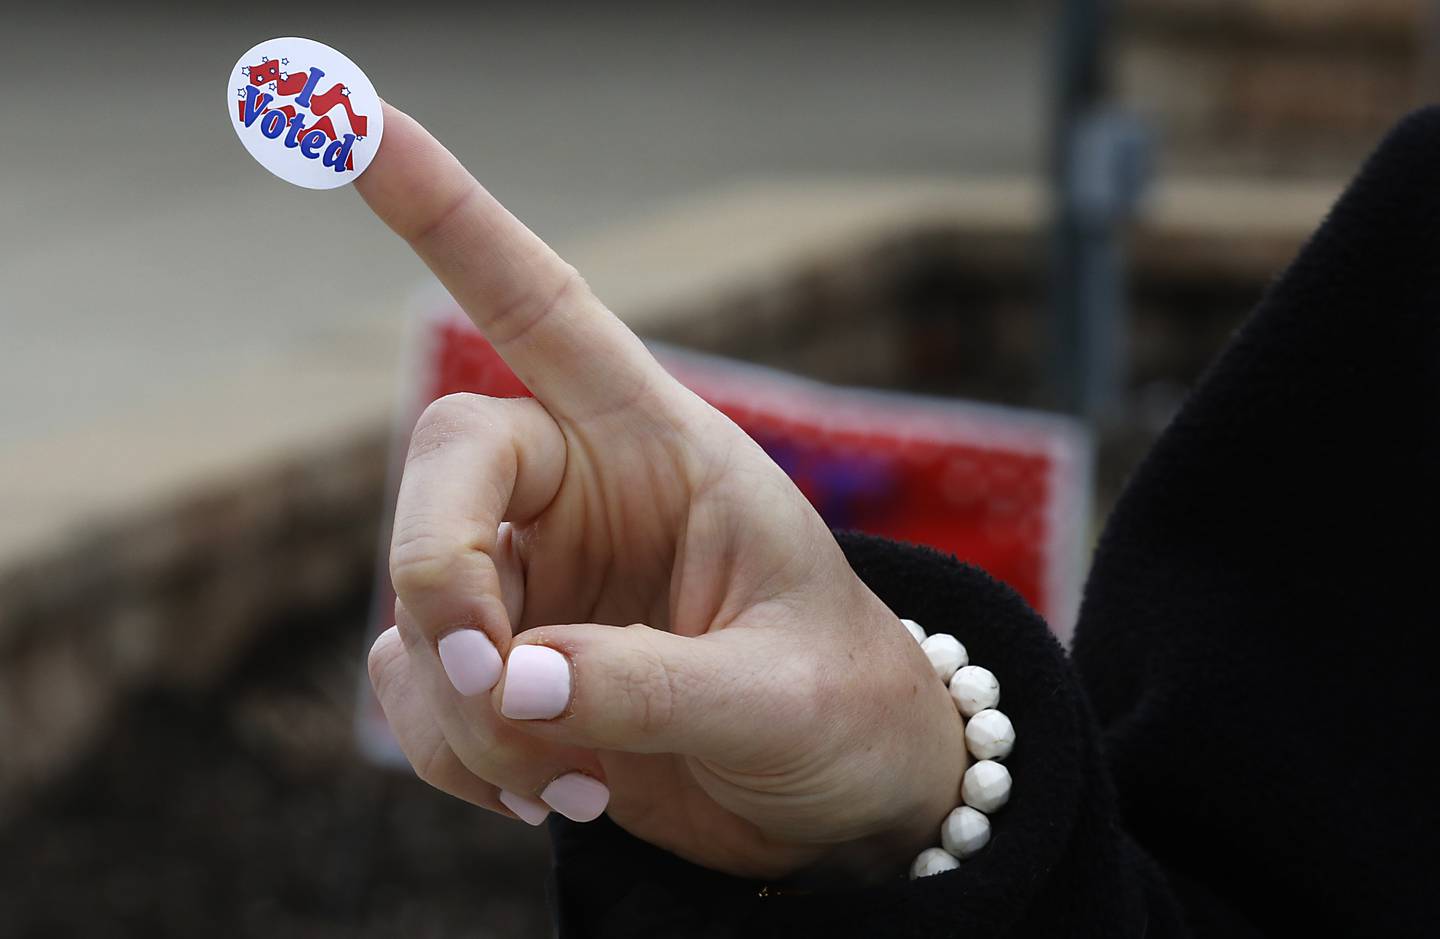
pixel 305 111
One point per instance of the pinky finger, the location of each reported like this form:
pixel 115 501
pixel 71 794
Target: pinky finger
pixel 422 741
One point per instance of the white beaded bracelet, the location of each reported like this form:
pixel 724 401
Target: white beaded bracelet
pixel 989 736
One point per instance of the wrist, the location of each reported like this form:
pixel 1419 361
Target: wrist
pixel 942 761
pixel 914 743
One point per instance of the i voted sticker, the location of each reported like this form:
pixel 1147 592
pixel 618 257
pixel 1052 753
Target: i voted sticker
pixel 305 111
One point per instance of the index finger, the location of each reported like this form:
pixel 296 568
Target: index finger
pixel 570 351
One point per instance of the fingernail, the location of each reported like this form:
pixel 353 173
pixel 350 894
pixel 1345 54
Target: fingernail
pixel 530 811
pixel 578 797
pixel 537 683
pixel 470 660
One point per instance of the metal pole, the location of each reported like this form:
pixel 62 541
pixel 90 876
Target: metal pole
pixel 1096 165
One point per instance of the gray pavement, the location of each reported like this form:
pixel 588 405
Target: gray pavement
pixel 143 254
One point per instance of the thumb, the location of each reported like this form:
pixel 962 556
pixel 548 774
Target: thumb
pixel 643 690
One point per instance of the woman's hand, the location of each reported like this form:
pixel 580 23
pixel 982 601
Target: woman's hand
pixel 760 711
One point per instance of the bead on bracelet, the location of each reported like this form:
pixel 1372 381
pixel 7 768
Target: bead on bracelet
pixel 989 737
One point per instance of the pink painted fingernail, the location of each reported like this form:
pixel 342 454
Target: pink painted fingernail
pixel 537 683
pixel 530 811
pixel 470 660
pixel 578 797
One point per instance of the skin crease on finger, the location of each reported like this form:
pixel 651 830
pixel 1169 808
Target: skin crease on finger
pixel 826 739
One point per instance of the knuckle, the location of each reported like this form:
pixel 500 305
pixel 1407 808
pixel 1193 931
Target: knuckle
pixel 536 303
pixel 434 765
pixel 646 686
pixel 420 561
pixel 442 420
pixel 387 666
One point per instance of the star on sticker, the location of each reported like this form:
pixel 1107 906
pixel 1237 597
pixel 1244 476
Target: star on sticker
pixel 284 61
pixel 284 76
pixel 345 91
pixel 271 86
pixel 264 59
pixel 239 92
pixel 245 69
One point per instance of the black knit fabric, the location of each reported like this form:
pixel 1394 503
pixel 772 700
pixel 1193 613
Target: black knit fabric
pixel 1260 626
pixel 1239 745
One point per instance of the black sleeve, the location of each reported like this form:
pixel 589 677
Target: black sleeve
pixel 1259 632
pixel 1257 639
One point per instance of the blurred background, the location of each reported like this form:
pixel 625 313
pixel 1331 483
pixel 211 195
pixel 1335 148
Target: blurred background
pixel 1066 206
